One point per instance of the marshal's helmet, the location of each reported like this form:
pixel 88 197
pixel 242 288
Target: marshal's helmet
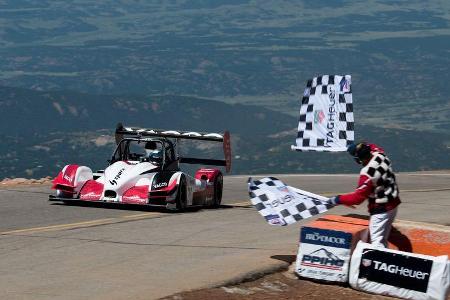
pixel 360 151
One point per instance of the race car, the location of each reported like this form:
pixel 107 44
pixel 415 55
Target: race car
pixel 145 170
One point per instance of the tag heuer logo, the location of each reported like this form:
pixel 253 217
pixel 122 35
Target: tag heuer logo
pixel 366 262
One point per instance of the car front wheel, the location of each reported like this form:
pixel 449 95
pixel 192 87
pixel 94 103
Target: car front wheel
pixel 181 201
pixel 62 194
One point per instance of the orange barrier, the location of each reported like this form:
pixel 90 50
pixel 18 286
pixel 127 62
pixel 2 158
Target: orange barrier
pixel 348 219
pixel 418 240
pixel 414 237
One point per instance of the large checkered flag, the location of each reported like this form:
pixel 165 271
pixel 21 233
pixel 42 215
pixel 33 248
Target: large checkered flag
pixel 326 115
pixel 281 204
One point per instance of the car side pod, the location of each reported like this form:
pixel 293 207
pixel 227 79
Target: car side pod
pixel 91 191
pixel 136 195
pixel 165 196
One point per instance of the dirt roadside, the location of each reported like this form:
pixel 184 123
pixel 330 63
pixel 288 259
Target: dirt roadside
pixel 283 285
pixel 11 182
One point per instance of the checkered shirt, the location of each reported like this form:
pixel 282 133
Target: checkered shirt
pixel 379 170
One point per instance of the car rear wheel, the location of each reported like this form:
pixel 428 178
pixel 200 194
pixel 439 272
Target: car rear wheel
pixel 181 201
pixel 218 188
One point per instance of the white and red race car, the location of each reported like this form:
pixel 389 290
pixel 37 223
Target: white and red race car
pixel 144 170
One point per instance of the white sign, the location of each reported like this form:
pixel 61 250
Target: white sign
pixel 322 262
pixel 324 254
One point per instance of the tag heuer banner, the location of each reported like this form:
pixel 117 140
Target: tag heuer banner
pixel 399 274
pixel 326 120
pixel 281 204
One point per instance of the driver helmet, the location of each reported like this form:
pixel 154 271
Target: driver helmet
pixel 152 152
pixel 150 147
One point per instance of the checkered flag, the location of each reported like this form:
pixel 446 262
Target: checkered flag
pixel 326 120
pixel 281 204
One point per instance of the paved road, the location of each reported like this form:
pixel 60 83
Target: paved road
pixel 52 251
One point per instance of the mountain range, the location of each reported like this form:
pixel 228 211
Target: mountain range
pixel 70 70
pixel 240 51
pixel 43 131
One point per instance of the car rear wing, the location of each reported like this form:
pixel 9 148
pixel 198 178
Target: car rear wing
pixel 224 138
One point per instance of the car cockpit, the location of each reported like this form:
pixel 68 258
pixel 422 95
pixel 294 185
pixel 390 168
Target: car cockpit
pixel 158 151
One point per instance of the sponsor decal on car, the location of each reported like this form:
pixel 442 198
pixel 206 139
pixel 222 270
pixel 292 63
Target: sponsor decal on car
pixel 134 199
pixel 161 180
pixel 395 269
pixel 117 177
pixel 90 196
pixel 160 185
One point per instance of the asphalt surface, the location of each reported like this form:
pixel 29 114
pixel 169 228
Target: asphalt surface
pixel 56 251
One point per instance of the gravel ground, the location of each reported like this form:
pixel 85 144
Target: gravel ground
pixel 283 285
pixel 9 182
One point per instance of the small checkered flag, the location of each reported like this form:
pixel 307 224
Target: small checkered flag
pixel 326 115
pixel 281 204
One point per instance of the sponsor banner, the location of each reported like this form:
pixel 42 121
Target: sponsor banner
pixel 406 271
pixel 324 237
pixel 399 274
pixel 323 262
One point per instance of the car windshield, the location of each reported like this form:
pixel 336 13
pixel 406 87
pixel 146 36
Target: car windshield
pixel 135 150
